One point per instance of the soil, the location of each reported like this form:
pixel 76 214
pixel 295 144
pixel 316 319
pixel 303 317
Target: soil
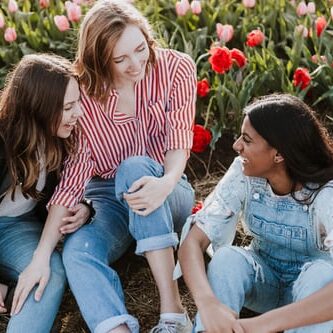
pixel 204 170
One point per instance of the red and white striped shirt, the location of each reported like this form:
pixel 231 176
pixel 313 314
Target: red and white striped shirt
pixel 165 110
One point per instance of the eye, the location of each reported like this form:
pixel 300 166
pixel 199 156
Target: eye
pixel 245 139
pixel 118 61
pixel 141 49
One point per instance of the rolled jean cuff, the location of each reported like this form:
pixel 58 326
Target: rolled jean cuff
pixel 113 322
pixel 156 243
pixel 198 327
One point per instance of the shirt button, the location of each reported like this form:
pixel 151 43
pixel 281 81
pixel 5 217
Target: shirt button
pixel 256 196
pixel 305 207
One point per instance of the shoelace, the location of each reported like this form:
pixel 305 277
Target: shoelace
pixel 165 327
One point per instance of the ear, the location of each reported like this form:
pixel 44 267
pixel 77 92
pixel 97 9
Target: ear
pixel 278 158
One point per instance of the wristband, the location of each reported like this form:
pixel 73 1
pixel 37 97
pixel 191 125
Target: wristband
pixel 88 203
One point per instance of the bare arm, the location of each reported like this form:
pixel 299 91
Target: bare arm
pixel 38 271
pixel 313 309
pixel 150 192
pixel 215 316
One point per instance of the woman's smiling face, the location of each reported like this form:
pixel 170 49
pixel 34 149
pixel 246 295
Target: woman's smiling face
pixel 130 56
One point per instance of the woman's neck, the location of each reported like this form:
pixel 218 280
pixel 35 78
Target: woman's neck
pixel 282 184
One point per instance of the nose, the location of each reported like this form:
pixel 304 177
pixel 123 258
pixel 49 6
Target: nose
pixel 237 146
pixel 135 63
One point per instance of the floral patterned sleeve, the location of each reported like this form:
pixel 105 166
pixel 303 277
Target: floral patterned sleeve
pixel 223 206
pixel 323 218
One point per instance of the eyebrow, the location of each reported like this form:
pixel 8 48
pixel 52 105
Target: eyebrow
pixel 124 55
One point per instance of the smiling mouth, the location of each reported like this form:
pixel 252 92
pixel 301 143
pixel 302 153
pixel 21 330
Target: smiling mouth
pixel 244 160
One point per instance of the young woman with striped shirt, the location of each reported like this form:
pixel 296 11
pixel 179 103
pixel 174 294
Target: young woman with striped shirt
pixel 139 107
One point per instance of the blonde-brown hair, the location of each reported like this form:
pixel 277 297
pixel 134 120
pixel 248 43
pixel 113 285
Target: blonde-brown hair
pixel 99 32
pixel 31 108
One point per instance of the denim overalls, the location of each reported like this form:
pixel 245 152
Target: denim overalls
pixel 283 264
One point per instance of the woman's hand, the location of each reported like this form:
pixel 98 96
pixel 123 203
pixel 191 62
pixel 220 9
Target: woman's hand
pixel 217 318
pixel 80 214
pixel 147 194
pixel 254 325
pixel 36 273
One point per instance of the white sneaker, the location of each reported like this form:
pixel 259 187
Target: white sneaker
pixel 168 326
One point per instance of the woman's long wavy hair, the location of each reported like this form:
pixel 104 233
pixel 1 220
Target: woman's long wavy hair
pixel 31 107
pixel 99 32
pixel 290 126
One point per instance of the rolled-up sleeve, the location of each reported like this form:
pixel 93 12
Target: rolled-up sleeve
pixel 78 169
pixel 323 218
pixel 181 106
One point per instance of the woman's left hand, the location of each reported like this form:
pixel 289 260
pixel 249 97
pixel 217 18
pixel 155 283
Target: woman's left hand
pixel 147 194
pixel 80 215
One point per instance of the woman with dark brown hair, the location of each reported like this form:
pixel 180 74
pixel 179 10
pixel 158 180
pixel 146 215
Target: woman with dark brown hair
pixel 281 188
pixel 39 109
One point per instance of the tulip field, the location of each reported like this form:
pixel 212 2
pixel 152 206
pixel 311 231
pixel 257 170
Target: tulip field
pixel 242 49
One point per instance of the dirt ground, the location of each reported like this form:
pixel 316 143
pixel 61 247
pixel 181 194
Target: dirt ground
pixel 204 170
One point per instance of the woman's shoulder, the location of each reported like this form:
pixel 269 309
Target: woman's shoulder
pixel 175 59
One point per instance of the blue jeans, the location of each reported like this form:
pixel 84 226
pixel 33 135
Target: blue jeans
pixel 240 277
pixel 19 237
pixel 89 251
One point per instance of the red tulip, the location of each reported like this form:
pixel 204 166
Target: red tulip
pixel 197 207
pixel 201 138
pixel 254 38
pixel 239 57
pixel 321 24
pixel 301 78
pixel 203 88
pixel 220 59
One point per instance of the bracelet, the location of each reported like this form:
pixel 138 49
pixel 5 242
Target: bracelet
pixel 88 203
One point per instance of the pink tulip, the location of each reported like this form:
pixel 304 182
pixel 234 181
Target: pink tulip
pixel 315 59
pixel 44 3
pixel 224 32
pixel 12 6
pixel 10 35
pixel 301 9
pixel 302 30
pixel 2 21
pixel 249 3
pixel 182 7
pixel 311 9
pixel 73 11
pixel 332 13
pixel 196 7
pixel 61 22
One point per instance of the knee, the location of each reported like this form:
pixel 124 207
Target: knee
pixel 134 168
pixel 313 277
pixel 224 262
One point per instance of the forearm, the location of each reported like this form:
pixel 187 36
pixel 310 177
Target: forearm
pixel 192 264
pixel 316 308
pixel 51 235
pixel 174 165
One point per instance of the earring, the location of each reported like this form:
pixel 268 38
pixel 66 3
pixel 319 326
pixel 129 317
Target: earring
pixel 276 159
